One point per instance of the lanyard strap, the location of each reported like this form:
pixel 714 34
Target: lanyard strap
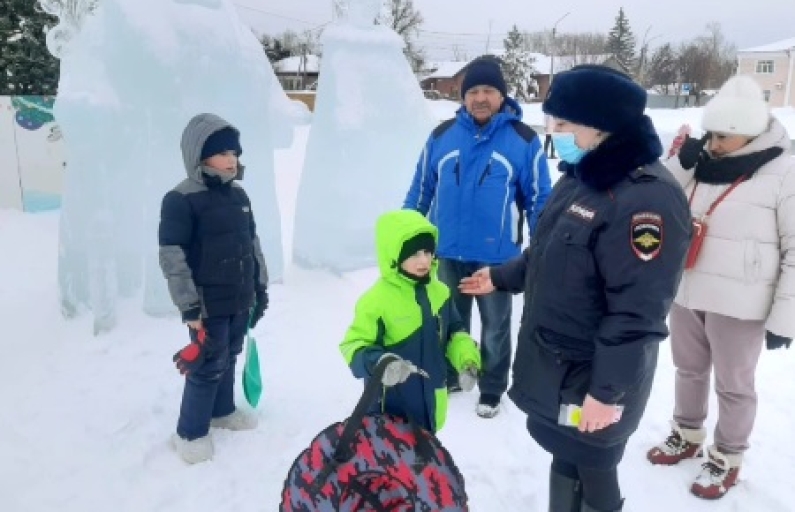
pixel 720 197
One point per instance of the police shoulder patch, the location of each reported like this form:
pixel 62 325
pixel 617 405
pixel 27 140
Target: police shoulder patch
pixel 646 235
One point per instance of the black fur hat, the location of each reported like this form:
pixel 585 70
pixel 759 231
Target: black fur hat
pixel 596 96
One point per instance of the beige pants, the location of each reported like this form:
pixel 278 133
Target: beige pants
pixel 701 341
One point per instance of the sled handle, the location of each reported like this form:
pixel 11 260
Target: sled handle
pixel 342 453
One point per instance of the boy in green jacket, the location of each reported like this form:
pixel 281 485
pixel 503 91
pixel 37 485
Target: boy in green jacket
pixel 408 317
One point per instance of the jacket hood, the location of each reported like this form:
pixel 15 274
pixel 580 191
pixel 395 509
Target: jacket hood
pixel 193 138
pixel 391 231
pixel 510 111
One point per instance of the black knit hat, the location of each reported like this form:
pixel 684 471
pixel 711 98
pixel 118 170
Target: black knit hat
pixel 596 96
pixel 420 242
pixel 225 139
pixel 484 71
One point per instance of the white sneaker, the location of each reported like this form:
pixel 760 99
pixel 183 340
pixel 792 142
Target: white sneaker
pixel 238 420
pixel 193 452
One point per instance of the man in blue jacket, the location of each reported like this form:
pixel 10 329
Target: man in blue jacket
pixel 479 175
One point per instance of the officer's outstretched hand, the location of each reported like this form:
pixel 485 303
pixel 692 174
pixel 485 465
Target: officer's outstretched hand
pixel 478 283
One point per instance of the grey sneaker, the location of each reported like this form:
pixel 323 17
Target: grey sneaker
pixel 488 406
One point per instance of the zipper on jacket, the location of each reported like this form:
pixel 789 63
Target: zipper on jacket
pixel 486 172
pixel 457 172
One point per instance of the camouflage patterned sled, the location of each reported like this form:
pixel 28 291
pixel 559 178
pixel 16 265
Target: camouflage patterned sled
pixel 393 465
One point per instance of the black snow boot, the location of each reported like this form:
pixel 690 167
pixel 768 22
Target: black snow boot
pixel 565 494
pixel 587 508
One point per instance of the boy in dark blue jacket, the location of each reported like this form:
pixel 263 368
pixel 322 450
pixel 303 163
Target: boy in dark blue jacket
pixel 211 256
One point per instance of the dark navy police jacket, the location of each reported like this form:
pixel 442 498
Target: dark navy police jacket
pixel 599 277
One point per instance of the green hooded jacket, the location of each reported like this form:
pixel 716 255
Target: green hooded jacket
pixel 414 320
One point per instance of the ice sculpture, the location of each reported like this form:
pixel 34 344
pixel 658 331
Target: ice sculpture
pixel 132 74
pixel 369 125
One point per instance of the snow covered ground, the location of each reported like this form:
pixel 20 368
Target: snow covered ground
pixel 85 421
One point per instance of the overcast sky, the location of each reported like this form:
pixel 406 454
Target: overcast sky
pixel 467 23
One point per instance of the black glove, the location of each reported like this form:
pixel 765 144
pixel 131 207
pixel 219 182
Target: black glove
pixel 192 355
pixel 259 307
pixel 692 151
pixel 775 341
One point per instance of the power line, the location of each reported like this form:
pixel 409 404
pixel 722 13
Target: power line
pixel 478 34
pixel 277 15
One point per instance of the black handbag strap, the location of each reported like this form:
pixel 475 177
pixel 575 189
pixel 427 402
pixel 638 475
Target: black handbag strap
pixel 344 449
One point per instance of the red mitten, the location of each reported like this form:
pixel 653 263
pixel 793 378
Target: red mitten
pixel 191 357
pixel 679 140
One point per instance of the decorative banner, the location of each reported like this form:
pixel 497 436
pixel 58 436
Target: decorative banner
pixel 33 112
pixel 32 152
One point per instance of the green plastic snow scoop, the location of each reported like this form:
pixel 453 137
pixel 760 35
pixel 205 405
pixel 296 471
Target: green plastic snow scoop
pixel 252 379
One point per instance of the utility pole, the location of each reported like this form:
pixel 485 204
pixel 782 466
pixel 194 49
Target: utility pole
pixel 303 65
pixel 552 47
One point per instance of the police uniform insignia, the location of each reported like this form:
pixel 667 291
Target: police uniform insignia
pixel 646 235
pixel 583 212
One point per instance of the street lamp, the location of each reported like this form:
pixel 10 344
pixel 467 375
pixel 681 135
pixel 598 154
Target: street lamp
pixel 552 57
pixel 644 48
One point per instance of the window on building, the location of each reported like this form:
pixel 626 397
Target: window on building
pixel 290 83
pixel 767 95
pixel 764 66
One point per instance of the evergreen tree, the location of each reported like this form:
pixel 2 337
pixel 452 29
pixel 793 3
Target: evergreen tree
pixel 26 66
pixel 621 43
pixel 517 65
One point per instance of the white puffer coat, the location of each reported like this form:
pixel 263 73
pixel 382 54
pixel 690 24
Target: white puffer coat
pixel 746 268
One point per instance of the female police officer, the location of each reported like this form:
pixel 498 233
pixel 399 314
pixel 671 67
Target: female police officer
pixel 598 277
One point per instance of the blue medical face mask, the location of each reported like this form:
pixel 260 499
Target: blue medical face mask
pixel 567 148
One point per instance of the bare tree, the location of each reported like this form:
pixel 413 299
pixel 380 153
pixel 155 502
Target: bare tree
pixel 663 69
pixel 403 18
pixel 582 48
pixel 290 43
pixel 339 9
pixel 539 42
pixel 721 55
pixel 570 49
pixel 694 66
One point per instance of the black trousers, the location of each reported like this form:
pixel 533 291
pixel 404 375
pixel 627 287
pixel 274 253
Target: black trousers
pixel 599 486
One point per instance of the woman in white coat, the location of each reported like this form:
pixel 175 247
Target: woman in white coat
pixel 738 289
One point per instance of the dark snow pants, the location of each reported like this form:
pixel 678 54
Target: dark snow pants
pixel 495 320
pixel 209 391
